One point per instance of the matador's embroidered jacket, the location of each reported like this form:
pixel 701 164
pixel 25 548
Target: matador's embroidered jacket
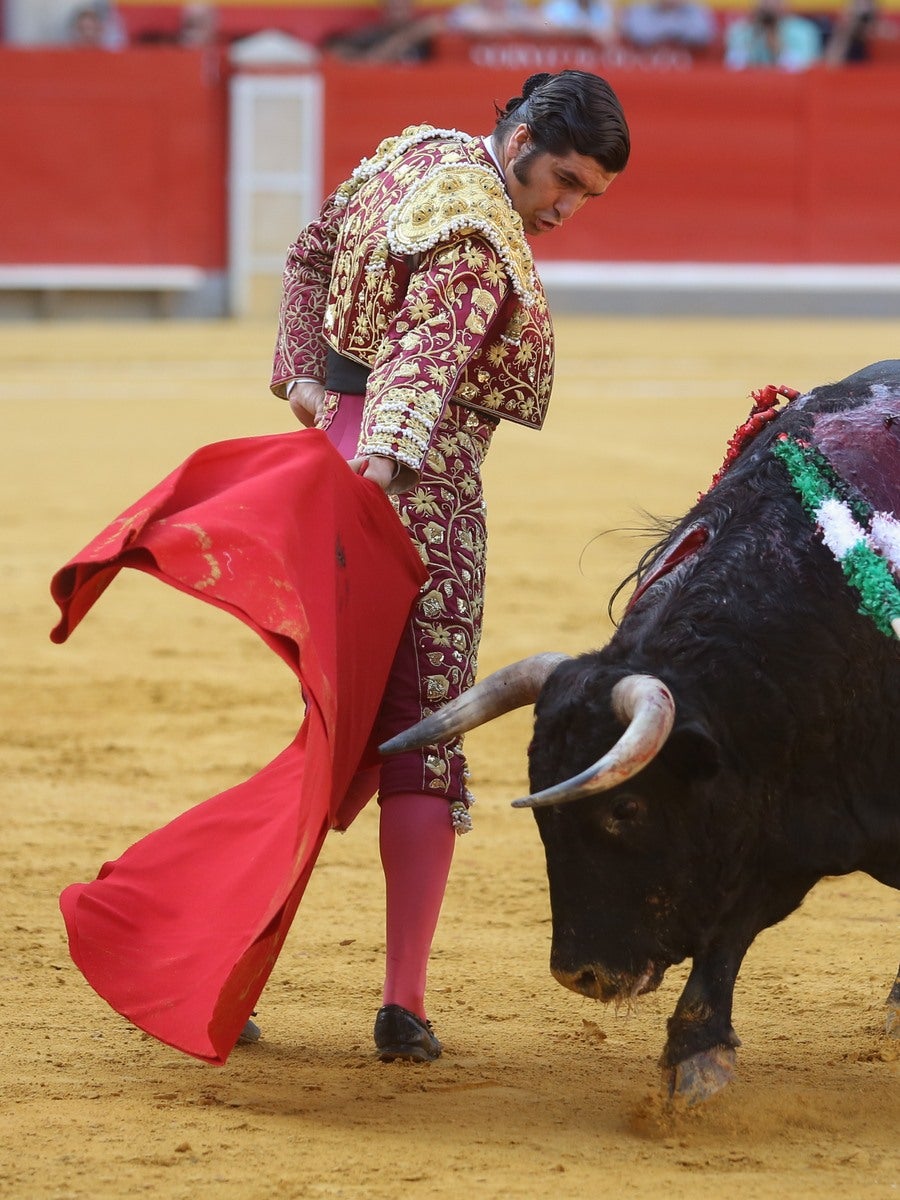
pixel 418 268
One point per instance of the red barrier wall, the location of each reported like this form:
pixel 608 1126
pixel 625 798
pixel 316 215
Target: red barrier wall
pixel 750 166
pixel 112 158
pixel 121 158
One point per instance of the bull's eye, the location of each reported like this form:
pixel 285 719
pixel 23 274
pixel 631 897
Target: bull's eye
pixel 626 808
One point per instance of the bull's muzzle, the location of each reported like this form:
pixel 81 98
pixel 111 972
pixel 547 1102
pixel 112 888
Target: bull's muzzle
pixel 599 984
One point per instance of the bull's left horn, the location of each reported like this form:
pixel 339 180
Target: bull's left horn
pixel 511 687
pixel 644 704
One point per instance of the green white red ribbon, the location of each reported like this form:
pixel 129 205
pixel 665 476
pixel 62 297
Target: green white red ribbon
pixel 865 543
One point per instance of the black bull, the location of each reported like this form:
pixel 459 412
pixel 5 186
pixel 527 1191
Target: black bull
pixel 761 751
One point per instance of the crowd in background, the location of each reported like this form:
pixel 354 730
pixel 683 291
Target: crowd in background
pixel 99 25
pixel 768 34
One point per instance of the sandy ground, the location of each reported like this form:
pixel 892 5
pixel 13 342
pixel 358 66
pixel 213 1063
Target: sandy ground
pixel 158 702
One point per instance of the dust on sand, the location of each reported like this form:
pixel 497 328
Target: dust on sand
pixel 159 702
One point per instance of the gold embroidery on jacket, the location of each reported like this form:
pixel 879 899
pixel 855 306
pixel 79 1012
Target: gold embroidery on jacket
pixel 434 288
pixel 463 198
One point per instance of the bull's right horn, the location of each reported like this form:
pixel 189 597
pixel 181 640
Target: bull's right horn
pixel 511 687
pixel 644 704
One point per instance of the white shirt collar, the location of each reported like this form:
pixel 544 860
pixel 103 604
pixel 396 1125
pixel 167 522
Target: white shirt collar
pixel 489 146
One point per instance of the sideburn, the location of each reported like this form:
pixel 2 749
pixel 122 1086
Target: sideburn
pixel 522 165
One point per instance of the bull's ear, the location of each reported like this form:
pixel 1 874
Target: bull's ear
pixel 691 753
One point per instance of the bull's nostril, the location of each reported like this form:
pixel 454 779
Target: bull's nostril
pixel 586 982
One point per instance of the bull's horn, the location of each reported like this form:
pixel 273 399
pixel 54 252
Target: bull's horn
pixel 645 705
pixel 510 687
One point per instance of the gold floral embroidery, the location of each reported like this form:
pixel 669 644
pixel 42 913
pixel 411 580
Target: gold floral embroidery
pixel 447 620
pixel 433 603
pixel 446 316
pixel 452 199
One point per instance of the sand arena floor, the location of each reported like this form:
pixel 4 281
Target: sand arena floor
pixel 159 702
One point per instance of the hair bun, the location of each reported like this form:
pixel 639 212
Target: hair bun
pixel 533 82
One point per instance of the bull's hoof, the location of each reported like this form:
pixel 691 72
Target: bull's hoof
pixel 701 1076
pixel 892 1018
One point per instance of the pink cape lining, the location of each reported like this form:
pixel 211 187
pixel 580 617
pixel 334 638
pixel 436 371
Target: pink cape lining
pixel 181 932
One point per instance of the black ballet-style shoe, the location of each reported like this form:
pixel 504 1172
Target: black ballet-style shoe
pixel 399 1033
pixel 249 1034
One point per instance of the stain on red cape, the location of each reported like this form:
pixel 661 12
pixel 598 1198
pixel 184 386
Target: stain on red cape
pixel 181 932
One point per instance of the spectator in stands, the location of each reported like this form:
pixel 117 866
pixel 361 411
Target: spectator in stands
pixel 97 27
pixel 87 29
pixel 684 24
pixel 396 35
pixel 493 17
pixel 199 25
pixel 770 37
pixel 848 34
pixel 593 20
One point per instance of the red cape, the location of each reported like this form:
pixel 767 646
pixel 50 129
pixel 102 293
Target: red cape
pixel 180 934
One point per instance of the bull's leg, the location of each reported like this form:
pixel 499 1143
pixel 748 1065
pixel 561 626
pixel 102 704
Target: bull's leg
pixel 892 1020
pixel 699 1057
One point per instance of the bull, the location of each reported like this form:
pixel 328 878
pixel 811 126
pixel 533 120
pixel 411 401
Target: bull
pixel 735 741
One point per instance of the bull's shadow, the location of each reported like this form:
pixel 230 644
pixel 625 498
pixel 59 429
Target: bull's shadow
pixel 756 676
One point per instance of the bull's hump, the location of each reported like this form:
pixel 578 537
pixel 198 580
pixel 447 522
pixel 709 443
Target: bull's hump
pixel 884 374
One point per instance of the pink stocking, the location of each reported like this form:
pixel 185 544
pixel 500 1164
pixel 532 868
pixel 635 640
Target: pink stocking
pixel 416 840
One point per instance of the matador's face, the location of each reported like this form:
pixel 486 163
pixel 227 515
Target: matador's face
pixel 546 189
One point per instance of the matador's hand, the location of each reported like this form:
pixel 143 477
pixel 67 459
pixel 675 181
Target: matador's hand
pixel 382 471
pixel 306 398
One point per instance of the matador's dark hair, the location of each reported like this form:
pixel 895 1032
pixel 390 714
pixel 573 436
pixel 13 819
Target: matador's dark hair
pixel 572 110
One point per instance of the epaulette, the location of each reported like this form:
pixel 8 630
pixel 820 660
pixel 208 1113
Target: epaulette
pixel 459 198
pixel 390 149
